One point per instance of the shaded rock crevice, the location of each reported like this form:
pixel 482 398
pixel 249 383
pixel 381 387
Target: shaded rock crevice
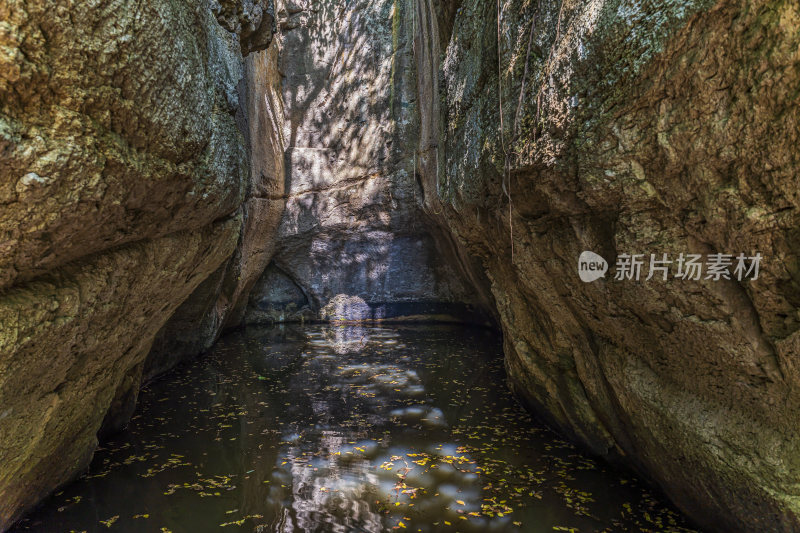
pixel 277 297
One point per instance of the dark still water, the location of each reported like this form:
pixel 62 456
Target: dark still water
pixel 327 428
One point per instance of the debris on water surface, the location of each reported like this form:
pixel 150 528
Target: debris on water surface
pixel 406 428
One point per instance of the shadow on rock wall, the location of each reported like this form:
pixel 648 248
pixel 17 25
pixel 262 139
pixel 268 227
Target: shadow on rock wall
pixel 353 237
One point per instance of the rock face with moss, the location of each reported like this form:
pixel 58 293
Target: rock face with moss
pixel 126 182
pixel 627 127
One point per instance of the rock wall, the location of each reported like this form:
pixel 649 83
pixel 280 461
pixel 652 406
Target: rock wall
pixel 221 300
pixel 441 157
pixel 620 126
pixel 353 238
pixel 125 184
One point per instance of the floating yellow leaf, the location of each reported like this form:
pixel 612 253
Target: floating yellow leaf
pixel 110 521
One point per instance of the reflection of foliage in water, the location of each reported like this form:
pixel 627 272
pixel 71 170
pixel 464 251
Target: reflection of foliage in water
pixel 346 429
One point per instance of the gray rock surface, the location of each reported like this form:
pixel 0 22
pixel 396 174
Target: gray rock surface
pixel 277 298
pixel 353 230
pixel 633 127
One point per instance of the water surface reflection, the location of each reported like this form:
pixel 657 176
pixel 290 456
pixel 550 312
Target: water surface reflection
pixel 345 428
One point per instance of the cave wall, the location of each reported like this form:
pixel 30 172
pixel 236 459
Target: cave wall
pixel 618 127
pixel 353 237
pixel 126 183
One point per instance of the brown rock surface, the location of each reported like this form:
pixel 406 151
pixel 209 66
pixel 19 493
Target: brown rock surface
pixel 124 176
pixel 221 300
pixel 105 138
pixel 630 127
pixel 66 351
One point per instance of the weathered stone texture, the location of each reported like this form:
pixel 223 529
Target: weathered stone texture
pixel 124 184
pixel 220 302
pixel 69 340
pixel 635 127
pixel 108 137
pixel 353 228
pixel 252 20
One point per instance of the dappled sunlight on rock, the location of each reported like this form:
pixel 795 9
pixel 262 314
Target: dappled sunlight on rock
pixel 353 236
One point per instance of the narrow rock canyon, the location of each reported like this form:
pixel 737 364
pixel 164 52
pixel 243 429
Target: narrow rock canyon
pixel 171 171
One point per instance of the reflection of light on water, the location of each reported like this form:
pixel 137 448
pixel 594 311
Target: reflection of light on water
pixel 337 491
pixel 346 429
pixel 338 481
pixel 342 340
pixel 351 338
pixel 326 492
